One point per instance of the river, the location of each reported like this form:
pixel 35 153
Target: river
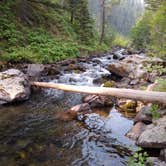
pixel 30 133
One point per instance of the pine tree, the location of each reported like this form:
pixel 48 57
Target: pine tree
pixel 81 19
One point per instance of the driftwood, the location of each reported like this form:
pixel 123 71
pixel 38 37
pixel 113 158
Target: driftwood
pixel 145 96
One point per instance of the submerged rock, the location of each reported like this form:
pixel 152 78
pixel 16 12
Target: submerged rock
pixel 85 107
pixel 14 86
pixel 92 121
pixel 73 112
pixel 154 135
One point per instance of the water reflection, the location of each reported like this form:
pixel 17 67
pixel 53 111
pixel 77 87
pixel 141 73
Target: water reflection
pixel 31 133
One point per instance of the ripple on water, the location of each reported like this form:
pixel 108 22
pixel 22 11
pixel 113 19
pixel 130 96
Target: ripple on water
pixel 104 141
pixel 31 135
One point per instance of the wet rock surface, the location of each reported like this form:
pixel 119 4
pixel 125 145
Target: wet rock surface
pixel 144 115
pixel 96 138
pixel 154 161
pixel 34 71
pixel 99 101
pixel 163 155
pixel 133 67
pixel 14 86
pixel 136 131
pixel 154 135
pixel 127 105
pixel 93 121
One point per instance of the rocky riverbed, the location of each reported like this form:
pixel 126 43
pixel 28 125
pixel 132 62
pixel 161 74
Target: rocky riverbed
pixel 97 114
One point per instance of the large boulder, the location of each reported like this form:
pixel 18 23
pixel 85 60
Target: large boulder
pixel 119 69
pixel 133 67
pixel 14 86
pixel 154 135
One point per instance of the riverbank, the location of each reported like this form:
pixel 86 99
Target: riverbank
pixel 111 70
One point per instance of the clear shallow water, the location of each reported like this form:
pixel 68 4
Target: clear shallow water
pixel 31 134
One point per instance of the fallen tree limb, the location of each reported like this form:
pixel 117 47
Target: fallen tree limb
pixel 146 96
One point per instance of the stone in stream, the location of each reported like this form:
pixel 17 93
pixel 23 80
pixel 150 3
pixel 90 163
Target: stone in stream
pixel 136 131
pixel 163 154
pixel 118 69
pixel 74 111
pixel 50 70
pixel 154 135
pixel 127 105
pixel 92 121
pixel 99 101
pixel 144 115
pixel 14 86
pixel 154 161
pixel 132 67
pixel 34 71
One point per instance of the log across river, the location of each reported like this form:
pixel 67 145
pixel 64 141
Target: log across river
pixel 145 96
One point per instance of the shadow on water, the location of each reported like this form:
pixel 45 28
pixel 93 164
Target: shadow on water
pixel 30 134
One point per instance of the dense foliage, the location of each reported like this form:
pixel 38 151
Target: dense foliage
pixel 42 31
pixel 150 31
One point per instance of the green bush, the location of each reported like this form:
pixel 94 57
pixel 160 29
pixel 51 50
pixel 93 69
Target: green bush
pixel 150 32
pixel 154 110
pixel 138 159
pixel 161 85
pixel 140 34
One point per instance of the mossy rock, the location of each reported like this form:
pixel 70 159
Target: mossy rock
pixel 128 106
pixel 109 84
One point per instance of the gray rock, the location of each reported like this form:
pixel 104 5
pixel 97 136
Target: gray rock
pixel 119 69
pixel 162 112
pixel 154 135
pixel 14 86
pixel 134 82
pixel 144 115
pixel 34 71
pixel 99 101
pixel 136 131
pixel 163 154
pixel 154 161
pixel 132 67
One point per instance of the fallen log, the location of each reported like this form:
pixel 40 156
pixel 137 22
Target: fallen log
pixel 146 96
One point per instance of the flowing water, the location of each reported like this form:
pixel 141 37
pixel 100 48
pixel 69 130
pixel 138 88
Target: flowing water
pixel 30 133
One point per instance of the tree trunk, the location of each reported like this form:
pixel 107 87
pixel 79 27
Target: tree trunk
pixel 72 16
pixel 103 23
pixel 147 96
